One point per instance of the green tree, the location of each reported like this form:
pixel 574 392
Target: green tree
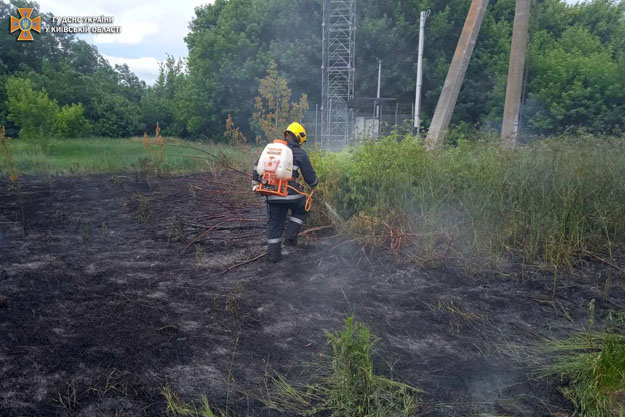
pixel 163 102
pixel 95 91
pixel 577 83
pixel 69 70
pixel 232 42
pixel 129 84
pixel 32 111
pixel 116 116
pixel 230 47
pixel 224 59
pixel 273 110
pixel 3 98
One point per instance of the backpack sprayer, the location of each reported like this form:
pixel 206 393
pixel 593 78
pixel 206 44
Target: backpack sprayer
pixel 275 167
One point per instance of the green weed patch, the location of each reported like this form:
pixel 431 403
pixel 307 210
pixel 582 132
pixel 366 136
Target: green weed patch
pixel 346 385
pixel 549 202
pixel 593 369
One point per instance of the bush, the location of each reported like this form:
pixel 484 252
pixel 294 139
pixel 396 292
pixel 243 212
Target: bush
pixel 116 116
pixel 71 122
pixel 31 110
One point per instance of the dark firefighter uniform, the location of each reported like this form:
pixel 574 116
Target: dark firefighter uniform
pixel 278 207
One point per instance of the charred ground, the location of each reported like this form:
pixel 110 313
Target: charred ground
pixel 106 304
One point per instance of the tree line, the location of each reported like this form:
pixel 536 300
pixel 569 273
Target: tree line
pixel 575 78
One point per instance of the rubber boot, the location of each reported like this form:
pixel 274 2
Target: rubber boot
pixel 290 238
pixel 274 252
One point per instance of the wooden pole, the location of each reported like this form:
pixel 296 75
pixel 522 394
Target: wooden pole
pixel 455 75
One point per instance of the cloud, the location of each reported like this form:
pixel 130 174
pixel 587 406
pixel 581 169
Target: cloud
pixel 156 21
pixel 146 68
pixel 150 29
pixel 137 23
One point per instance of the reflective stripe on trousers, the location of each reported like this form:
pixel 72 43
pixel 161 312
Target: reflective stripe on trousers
pixel 296 220
pixel 278 212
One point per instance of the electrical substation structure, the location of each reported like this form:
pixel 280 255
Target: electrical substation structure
pixel 337 69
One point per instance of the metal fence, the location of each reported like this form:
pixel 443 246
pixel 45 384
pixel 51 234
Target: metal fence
pixel 364 125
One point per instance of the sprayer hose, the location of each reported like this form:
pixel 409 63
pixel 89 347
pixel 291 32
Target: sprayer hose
pixel 308 204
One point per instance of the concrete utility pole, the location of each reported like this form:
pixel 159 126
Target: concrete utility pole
pixel 514 89
pixel 377 104
pixel 417 102
pixel 455 76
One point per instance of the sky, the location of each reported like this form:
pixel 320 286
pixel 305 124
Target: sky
pixel 150 29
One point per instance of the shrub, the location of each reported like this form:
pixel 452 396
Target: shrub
pixel 71 122
pixel 31 110
pixel 116 116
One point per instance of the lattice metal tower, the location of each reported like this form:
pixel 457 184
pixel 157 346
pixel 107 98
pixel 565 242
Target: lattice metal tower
pixel 337 80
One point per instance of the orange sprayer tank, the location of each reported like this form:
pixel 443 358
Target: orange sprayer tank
pixel 275 166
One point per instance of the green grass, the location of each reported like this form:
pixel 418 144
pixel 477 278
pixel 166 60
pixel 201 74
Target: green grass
pixel 592 365
pixel 175 406
pixel 345 385
pixel 107 155
pixel 548 202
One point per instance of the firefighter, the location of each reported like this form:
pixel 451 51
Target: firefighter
pixel 278 207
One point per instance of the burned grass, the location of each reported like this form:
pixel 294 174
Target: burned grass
pixel 123 286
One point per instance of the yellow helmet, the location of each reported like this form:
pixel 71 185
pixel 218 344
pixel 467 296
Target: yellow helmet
pixel 298 130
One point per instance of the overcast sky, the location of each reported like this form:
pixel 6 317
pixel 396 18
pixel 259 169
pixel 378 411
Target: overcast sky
pixel 150 29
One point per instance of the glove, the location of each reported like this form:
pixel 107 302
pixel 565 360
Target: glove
pixel 254 186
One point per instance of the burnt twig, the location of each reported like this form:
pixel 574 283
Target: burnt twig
pixel 605 261
pixel 244 263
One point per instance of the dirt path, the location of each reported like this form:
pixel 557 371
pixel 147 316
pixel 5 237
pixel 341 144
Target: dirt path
pixel 102 311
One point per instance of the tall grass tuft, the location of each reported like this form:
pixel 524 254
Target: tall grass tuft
pixel 547 202
pixel 347 385
pixel 175 406
pixel 593 367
